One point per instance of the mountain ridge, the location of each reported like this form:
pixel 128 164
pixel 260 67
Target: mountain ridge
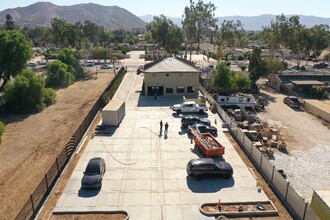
pixel 41 13
pixel 114 17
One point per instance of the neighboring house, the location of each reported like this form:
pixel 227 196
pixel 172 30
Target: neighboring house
pixel 299 82
pixel 171 76
pixel 206 76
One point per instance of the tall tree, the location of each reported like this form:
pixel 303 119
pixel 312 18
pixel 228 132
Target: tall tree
pixel 256 65
pixel 9 25
pixel 198 18
pixel 71 58
pixel 166 34
pixel 319 35
pixel 15 50
pixel 230 34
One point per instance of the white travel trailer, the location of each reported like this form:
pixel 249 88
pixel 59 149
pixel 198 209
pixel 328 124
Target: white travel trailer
pixel 237 99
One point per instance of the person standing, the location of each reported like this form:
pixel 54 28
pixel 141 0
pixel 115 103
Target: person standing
pixel 161 125
pixel 166 127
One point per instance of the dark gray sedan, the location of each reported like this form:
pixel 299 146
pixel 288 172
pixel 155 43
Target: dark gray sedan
pixel 93 174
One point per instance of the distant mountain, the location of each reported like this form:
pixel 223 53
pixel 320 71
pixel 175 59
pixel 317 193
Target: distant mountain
pixel 149 18
pixel 254 23
pixel 41 13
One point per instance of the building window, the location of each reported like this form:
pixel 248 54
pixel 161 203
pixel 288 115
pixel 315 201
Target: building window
pixel 167 75
pixel 179 89
pixel 169 90
pixel 190 89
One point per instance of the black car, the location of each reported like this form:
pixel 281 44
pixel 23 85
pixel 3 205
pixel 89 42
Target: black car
pixel 320 65
pixel 209 167
pixel 292 101
pixel 93 174
pixel 204 128
pixel 192 119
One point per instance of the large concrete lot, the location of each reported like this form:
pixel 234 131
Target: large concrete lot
pixel 146 173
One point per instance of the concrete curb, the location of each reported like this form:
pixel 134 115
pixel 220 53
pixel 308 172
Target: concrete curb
pixel 254 213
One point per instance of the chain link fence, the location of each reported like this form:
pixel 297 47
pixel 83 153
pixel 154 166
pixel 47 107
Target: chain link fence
pixel 296 205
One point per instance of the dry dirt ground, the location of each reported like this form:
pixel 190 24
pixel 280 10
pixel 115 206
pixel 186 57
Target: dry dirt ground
pixel 307 137
pixel 300 130
pixel 31 142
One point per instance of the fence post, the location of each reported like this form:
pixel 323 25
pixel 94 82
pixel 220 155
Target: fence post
pixel 251 149
pixel 33 208
pixel 58 166
pixel 272 174
pixel 260 161
pixel 305 211
pixel 286 192
pixel 243 140
pixel 46 180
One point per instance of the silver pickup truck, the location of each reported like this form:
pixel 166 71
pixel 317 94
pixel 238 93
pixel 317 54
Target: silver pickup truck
pixel 189 107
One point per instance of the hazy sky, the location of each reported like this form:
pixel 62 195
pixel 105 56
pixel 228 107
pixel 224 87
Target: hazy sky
pixel 174 8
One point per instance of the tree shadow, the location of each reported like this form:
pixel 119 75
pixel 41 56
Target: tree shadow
pixel 14 118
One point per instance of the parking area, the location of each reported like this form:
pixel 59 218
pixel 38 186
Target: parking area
pixel 146 172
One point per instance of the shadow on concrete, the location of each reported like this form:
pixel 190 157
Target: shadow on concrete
pixel 102 130
pixel 148 101
pixel 298 110
pixel 87 193
pixel 208 184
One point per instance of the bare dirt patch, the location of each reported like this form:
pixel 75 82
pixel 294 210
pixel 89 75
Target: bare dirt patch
pixel 32 142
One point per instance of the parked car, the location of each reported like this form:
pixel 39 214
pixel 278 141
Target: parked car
pixel 89 63
pixel 209 167
pixel 192 119
pixel 320 65
pixel 106 66
pixel 204 128
pixel 292 101
pixel 93 174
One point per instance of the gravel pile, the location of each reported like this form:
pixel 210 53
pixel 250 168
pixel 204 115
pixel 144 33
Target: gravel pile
pixel 306 170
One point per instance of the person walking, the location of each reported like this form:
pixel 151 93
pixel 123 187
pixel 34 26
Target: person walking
pixel 161 125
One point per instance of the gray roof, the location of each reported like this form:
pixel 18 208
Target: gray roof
pixel 171 64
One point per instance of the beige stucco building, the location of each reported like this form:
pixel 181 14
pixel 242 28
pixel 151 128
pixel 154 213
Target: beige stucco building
pixel 171 76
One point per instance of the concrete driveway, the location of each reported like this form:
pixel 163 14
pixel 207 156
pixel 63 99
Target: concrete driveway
pixel 146 172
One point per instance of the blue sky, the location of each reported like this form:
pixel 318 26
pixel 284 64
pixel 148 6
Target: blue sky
pixel 175 8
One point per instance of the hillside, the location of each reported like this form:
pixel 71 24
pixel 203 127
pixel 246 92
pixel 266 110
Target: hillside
pixel 41 13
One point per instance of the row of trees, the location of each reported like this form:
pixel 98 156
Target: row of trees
pixel 30 92
pixel 287 34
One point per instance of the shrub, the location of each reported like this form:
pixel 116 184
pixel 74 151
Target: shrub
pixel 48 96
pixel 25 94
pixel 59 74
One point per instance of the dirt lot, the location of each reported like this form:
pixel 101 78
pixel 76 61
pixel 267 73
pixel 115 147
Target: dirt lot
pixel 308 144
pixel 32 142
pixel 300 130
